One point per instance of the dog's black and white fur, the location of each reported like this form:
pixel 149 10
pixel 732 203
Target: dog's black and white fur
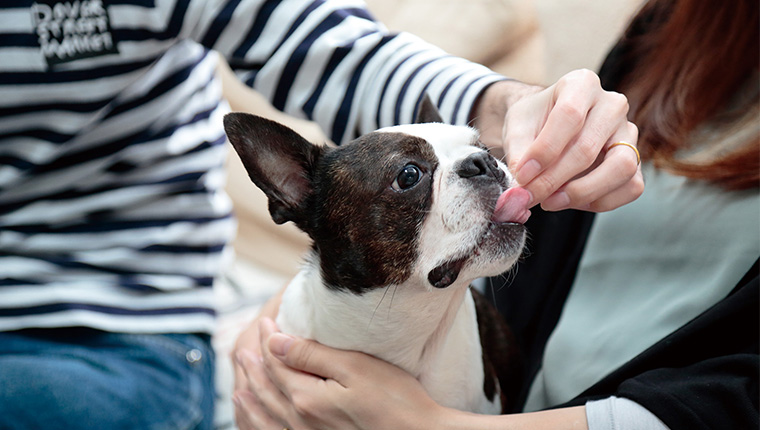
pixel 401 222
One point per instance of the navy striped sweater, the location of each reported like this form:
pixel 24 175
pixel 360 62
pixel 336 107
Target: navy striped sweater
pixel 112 210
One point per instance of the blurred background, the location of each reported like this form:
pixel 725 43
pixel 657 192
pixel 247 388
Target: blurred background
pixel 535 41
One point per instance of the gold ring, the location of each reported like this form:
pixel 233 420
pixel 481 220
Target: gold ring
pixel 638 156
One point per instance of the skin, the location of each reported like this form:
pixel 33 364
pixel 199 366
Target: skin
pixel 556 142
pixel 354 391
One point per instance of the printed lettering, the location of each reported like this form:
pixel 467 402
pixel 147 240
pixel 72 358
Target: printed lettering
pixel 72 30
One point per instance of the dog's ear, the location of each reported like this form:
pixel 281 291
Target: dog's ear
pixel 427 112
pixel 278 160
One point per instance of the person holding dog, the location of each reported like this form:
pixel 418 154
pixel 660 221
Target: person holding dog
pixel 113 222
pixel 645 317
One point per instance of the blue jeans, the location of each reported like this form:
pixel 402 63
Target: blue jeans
pixel 87 379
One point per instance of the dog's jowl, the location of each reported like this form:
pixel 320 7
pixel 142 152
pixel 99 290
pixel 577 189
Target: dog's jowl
pixel 402 220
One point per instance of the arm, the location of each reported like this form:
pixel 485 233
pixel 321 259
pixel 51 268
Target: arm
pixel 304 384
pixel 299 383
pixel 333 63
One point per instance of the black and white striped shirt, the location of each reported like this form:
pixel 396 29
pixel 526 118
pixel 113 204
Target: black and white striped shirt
pixel 112 212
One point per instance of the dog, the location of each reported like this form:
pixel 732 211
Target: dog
pixel 402 220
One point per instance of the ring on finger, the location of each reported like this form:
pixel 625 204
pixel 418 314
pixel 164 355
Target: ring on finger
pixel 638 156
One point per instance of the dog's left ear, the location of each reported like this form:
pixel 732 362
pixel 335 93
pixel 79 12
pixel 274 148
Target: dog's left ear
pixel 427 112
pixel 278 160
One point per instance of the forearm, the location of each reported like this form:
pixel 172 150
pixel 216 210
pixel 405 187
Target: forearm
pixel 351 75
pixel 558 419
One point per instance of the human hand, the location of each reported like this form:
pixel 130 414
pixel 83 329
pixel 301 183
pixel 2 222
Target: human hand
pixel 249 340
pixel 558 142
pixel 301 384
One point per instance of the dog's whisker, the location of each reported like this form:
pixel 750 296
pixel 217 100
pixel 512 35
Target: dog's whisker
pixel 388 316
pixel 507 278
pixel 376 308
pixel 492 289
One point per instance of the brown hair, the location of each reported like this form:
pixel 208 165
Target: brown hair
pixel 687 68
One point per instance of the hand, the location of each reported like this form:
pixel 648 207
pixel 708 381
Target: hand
pixel 557 141
pixel 301 384
pixel 249 342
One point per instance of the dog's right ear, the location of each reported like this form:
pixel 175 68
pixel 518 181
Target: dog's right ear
pixel 427 111
pixel 278 160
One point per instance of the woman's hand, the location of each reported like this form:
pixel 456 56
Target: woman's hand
pixel 558 141
pixel 249 342
pixel 301 384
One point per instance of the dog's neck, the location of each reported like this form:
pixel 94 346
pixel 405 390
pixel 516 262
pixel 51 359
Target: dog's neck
pixel 403 324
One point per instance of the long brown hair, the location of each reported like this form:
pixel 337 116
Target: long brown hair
pixel 690 62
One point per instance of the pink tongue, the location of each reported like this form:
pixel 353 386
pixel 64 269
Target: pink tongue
pixel 512 206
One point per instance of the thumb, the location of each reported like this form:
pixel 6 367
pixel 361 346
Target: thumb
pixel 308 356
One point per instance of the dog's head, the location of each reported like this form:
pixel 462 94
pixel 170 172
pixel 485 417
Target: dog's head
pixel 413 202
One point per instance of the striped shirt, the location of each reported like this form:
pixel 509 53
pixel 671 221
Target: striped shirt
pixel 112 210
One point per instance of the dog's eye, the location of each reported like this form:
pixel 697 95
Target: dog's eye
pixel 407 178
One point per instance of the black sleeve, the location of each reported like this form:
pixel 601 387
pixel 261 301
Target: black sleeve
pixel 716 393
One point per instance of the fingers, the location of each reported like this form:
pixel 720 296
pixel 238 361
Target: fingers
pixel 564 121
pixel 250 414
pixel 614 180
pixel 259 403
pixel 623 195
pixel 249 338
pixel 269 400
pixel 567 163
pixel 283 394
pixel 306 355
pixel 571 141
pixel 572 97
pixel 308 385
pixel 303 371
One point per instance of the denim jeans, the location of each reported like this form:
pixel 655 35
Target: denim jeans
pixel 88 379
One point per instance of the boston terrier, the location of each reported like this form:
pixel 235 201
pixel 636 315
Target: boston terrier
pixel 402 220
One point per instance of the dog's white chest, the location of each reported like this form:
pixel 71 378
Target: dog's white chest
pixel 445 355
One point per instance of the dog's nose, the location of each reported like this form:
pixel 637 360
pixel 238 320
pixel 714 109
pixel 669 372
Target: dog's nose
pixel 479 164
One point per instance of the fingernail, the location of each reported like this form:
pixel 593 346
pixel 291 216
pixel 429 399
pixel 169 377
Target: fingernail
pixel 528 171
pixel 557 201
pixel 279 344
pixel 531 203
pixel 236 400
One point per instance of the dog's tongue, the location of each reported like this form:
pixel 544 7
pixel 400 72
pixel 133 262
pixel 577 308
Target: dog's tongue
pixel 512 206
